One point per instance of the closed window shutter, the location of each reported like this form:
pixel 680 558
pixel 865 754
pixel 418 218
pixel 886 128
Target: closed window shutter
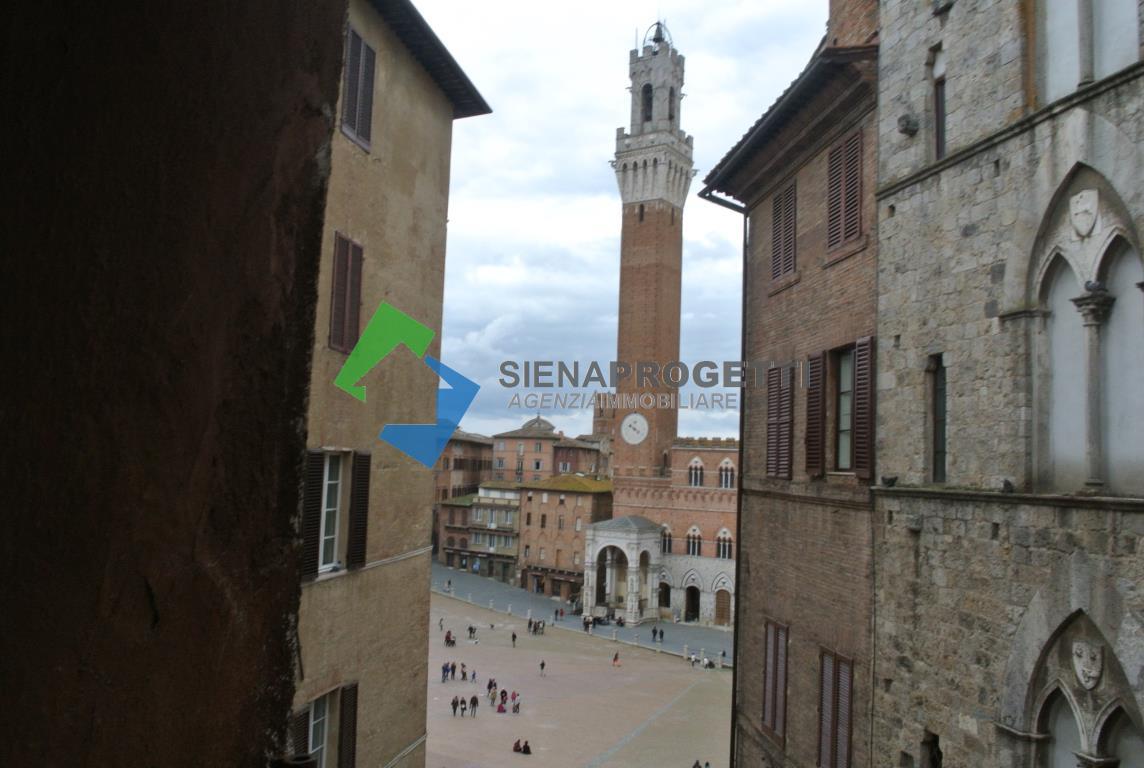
pixel 353 296
pixel 352 81
pixel 834 198
pixel 864 408
pixel 365 101
pixel 359 511
pixel 774 386
pixel 314 475
pixel 788 230
pixel 786 432
pixel 338 293
pixel 842 720
pixel 769 680
pixel 780 681
pixel 826 712
pixel 347 727
pixel 777 237
pixel 815 415
pixel 300 733
pixel 852 212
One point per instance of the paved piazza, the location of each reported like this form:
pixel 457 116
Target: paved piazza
pixel 653 710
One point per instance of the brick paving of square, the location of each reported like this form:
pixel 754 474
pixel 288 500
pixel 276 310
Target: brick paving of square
pixel 653 710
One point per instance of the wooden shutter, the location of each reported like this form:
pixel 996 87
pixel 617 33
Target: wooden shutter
pixel 314 476
pixel 774 387
pixel 353 296
pixel 786 432
pixel 347 727
pixel 365 101
pixel 300 733
pixel 842 718
pixel 783 233
pixel 769 679
pixel 338 293
pixel 863 434
pixel 826 712
pixel 352 80
pixel 777 237
pixel 359 511
pixel 834 198
pixel 852 188
pixel 815 415
pixel 780 680
pixel 788 230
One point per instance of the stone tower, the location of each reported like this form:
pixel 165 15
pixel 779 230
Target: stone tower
pixel 653 170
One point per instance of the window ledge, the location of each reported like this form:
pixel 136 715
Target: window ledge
pixel 328 575
pixel 844 251
pixel 780 285
pixel 353 137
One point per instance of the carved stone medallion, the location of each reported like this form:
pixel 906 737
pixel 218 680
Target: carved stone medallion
pixel 1082 211
pixel 1088 663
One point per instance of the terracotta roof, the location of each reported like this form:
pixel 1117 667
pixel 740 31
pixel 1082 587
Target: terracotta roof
pixel 460 501
pixel 412 29
pixel 825 63
pixel 571 484
pixel 536 427
pixel 470 437
pixel 569 442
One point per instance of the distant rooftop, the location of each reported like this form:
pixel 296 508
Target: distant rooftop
pixel 460 501
pixel 628 524
pixel 500 485
pixel 535 427
pixel 470 437
pixel 571 484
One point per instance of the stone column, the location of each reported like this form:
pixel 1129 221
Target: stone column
pixel 633 596
pixel 1084 29
pixel 610 576
pixel 1094 307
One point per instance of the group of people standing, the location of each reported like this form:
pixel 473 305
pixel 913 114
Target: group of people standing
pixel 449 672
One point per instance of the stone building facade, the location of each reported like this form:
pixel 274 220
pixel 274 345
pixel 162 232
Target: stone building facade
pixel 465 462
pixel 360 692
pixel 804 177
pixel 554 515
pixel 694 581
pixel 527 453
pixel 480 531
pixel 1010 347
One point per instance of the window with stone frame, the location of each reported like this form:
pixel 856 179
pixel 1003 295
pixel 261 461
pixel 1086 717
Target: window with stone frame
pixel 1065 58
pixel 695 473
pixel 783 235
pixel 665 541
pixel 694 544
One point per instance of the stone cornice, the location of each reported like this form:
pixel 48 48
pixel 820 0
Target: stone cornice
pixel 1028 499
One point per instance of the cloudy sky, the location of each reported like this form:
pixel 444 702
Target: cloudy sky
pixel 534 219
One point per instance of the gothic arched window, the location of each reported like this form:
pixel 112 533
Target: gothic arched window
pixel 645 100
pixel 665 541
pixel 695 474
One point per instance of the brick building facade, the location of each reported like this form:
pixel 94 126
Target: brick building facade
pixel 480 531
pixel 805 177
pixel 554 514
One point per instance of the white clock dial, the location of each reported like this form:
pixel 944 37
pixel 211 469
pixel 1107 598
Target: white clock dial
pixel 634 428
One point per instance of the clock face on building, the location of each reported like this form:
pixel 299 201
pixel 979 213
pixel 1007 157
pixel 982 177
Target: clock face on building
pixel 634 428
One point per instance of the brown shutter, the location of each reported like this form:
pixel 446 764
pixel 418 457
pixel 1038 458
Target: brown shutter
pixel 774 386
pixel 780 681
pixel 352 80
pixel 864 408
pixel 815 415
pixel 786 433
pixel 826 711
pixel 347 727
pixel 777 231
pixel 353 296
pixel 365 103
pixel 338 293
pixel 842 721
pixel 314 477
pixel 359 511
pixel 300 733
pixel 852 210
pixel 788 230
pixel 834 198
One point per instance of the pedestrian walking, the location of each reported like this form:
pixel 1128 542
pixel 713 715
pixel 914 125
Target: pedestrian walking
pixel 473 705
pixel 453 671
pixel 530 625
pixel 616 659
pixel 513 639
pixel 441 624
pixel 661 635
pixel 455 703
pixel 449 585
pixel 556 614
pixel 473 675
pixel 542 665
pixel 464 706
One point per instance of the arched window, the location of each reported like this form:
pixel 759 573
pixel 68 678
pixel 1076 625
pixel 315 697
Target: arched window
pixel 449 542
pixel 1066 379
pixel 1059 722
pixel 1122 369
pixel 671 104
pixel 723 548
pixel 694 542
pixel 727 475
pixel 645 101
pixel 464 543
pixel 695 473
pixel 665 542
pixel 1121 739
